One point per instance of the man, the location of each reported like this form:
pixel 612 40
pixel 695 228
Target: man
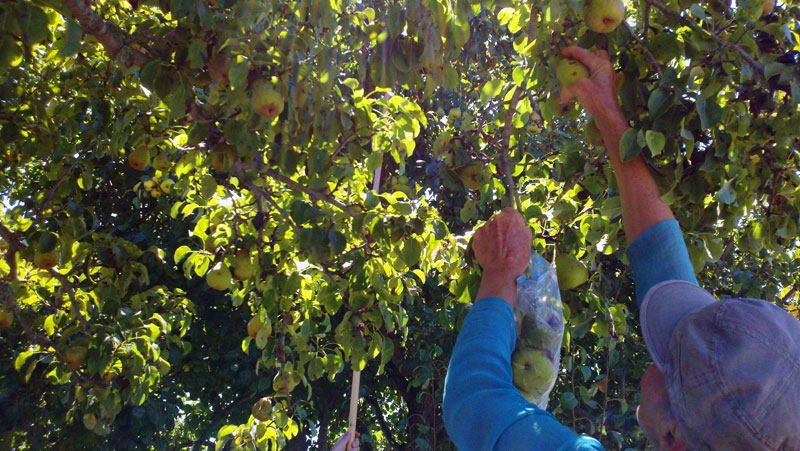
pixel 726 374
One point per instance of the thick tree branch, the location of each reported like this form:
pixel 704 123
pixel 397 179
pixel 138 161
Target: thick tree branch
pixel 313 194
pixel 722 42
pixel 110 36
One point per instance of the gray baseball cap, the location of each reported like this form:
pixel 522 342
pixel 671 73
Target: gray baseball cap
pixel 732 367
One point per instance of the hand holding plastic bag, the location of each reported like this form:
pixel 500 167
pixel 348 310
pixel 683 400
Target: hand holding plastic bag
pixel 540 328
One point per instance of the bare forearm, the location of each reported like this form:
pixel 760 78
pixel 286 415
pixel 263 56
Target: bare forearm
pixel 640 197
pixel 498 285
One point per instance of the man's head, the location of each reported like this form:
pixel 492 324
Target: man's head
pixel 726 374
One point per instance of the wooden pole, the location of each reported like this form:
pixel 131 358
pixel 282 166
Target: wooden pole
pixel 351 422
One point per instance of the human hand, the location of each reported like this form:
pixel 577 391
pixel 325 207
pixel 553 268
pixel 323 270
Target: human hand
pixel 342 442
pixel 502 246
pixel 598 93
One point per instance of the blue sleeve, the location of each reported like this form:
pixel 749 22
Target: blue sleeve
pixel 657 255
pixel 482 409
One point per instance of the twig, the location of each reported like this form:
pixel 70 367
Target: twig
pixel 729 45
pixel 282 212
pixel 314 194
pixel 647 52
pixel 513 196
pixel 67 285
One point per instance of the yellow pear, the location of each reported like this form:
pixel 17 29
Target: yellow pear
pixel 569 70
pixel 470 175
pixel 219 278
pixel 253 327
pixel 266 101
pixel 75 356
pixel 603 16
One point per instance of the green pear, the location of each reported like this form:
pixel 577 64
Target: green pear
pixel 570 271
pixel 243 267
pixel 593 133
pixel 603 16
pixel 531 335
pixel 89 421
pixel 532 371
pixel 161 162
pixel 266 101
pixel 139 159
pixel 75 356
pixel 279 383
pixel 767 7
pixel 219 278
pixel 262 409
pixel 221 158
pixel 569 70
pixel 45 260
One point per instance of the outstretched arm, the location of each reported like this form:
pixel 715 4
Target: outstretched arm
pixel 482 409
pixel 656 248
pixel 640 197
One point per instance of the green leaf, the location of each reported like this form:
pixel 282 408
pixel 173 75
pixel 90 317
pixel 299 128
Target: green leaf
pixel 468 211
pixel 197 51
pixel 411 251
pixel 629 148
pixel 569 401
pixel 709 111
pixel 655 141
pixel 490 90
pixel 34 23
pixel 19 362
pixel 727 194
pixel 72 39
pixel 238 73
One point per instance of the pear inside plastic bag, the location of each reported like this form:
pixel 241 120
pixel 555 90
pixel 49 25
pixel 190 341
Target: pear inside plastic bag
pixel 540 328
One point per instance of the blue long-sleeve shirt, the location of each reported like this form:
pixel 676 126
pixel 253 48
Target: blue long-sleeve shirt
pixel 482 408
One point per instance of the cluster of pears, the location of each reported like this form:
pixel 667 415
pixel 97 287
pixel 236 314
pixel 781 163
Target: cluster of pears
pixel 157 187
pixel 533 371
pixel 220 277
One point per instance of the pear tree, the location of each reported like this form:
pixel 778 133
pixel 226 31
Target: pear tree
pixel 209 204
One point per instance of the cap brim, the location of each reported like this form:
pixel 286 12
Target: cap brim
pixel 663 307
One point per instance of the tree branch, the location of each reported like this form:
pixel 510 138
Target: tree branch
pixel 110 36
pixel 647 52
pixel 722 42
pixel 313 194
pixel 387 432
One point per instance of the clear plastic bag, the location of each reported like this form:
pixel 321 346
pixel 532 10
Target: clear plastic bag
pixel 540 328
